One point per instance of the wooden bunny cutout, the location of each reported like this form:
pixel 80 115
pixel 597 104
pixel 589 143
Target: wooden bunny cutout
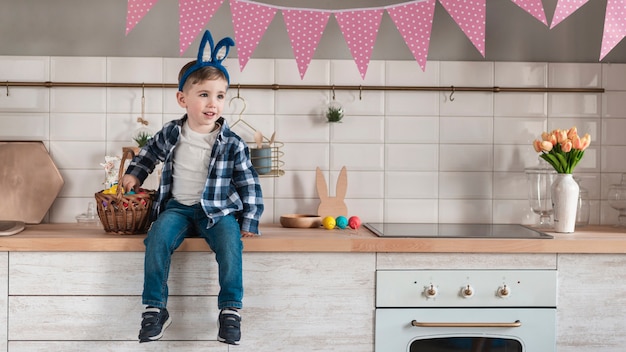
pixel 332 206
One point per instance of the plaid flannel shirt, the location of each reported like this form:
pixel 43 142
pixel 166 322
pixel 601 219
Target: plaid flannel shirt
pixel 232 184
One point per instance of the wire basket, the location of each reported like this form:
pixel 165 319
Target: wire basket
pixel 125 214
pixel 267 160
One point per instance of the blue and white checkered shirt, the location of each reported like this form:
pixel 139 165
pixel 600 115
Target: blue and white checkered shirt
pixel 232 184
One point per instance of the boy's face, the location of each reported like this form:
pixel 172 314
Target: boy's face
pixel 204 103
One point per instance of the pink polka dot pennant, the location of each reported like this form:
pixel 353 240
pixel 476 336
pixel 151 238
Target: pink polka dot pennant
pixel 614 26
pixel 414 22
pixel 359 29
pixel 250 22
pixel 305 28
pixel 193 15
pixel 533 7
pixel 470 15
pixel 135 10
pixel 564 8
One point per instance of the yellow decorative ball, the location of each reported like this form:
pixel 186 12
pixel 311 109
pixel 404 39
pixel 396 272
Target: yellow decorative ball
pixel 328 222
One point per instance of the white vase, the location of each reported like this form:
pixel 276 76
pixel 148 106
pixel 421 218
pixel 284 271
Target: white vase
pixel 564 202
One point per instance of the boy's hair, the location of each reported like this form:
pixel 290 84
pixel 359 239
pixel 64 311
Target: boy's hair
pixel 200 75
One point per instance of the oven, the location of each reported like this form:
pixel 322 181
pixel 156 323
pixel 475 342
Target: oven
pixel 465 311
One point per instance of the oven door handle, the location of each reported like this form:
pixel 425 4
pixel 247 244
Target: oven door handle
pixel 515 324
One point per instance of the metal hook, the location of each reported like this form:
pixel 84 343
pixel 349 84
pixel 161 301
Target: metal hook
pixel 360 92
pixel 7 88
pixel 333 89
pixel 451 94
pixel 238 86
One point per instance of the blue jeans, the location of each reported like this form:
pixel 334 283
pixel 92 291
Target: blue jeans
pixel 167 233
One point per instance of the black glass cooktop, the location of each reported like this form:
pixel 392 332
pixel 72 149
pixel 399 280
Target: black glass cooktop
pixel 454 230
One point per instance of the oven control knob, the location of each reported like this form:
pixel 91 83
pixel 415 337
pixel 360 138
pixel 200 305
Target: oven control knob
pixel 504 291
pixel 430 291
pixel 467 291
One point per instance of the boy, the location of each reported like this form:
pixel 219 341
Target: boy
pixel 208 188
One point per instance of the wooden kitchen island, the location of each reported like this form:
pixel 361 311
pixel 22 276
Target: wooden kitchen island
pixel 67 287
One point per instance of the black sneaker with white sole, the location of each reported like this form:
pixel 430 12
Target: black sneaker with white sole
pixel 229 326
pixel 153 324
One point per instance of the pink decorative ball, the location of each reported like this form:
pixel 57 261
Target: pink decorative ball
pixel 354 222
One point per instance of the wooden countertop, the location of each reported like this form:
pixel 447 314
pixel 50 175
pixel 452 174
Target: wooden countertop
pixel 275 238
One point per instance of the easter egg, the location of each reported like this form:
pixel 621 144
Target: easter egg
pixel 328 222
pixel 354 222
pixel 341 222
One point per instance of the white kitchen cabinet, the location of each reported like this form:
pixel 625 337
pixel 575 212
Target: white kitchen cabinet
pixel 591 309
pixel 4 284
pixel 91 301
pixel 77 301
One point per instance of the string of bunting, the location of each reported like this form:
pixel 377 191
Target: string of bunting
pixel 359 27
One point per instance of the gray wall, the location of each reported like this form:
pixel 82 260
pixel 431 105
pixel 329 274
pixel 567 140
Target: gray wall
pixel 97 27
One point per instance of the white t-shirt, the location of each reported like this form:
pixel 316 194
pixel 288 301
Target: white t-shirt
pixel 191 164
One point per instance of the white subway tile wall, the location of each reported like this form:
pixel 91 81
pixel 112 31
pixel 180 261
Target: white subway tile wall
pixel 418 156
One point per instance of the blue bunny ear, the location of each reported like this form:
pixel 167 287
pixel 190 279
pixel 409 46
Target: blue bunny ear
pixel 213 58
pixel 224 43
pixel 202 56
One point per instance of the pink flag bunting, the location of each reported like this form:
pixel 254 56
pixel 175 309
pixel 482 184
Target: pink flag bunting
pixel 135 10
pixel 470 15
pixel 414 21
pixel 564 8
pixel 359 29
pixel 304 28
pixel 533 7
pixel 250 22
pixel 614 25
pixel 193 15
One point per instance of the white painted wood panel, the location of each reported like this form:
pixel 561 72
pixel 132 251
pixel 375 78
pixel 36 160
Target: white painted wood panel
pixel 103 318
pixel 591 308
pixel 4 282
pixel 308 302
pixel 413 261
pixel 116 346
pixel 106 273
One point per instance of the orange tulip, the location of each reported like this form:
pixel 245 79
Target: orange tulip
pixel 561 136
pixel 546 146
pixel 572 132
pixel 537 145
pixel 566 146
pixel 550 137
pixel 576 142
pixel 585 141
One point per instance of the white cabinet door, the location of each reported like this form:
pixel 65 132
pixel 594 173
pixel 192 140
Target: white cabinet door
pixel 4 284
pixel 591 308
pixel 309 302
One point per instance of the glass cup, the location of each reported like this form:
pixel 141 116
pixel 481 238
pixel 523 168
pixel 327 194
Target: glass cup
pixel 539 183
pixel 617 200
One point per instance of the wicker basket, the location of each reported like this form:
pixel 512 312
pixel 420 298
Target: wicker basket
pixel 125 214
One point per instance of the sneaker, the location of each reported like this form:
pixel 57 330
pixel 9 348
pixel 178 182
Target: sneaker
pixel 229 326
pixel 153 324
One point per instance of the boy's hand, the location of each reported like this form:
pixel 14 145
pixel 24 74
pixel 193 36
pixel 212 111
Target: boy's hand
pixel 130 182
pixel 247 234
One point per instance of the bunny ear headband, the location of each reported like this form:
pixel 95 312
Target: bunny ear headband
pixel 209 59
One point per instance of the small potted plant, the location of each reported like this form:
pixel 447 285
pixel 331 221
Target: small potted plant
pixel 142 138
pixel 334 112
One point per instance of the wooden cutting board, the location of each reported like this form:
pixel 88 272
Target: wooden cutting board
pixel 29 181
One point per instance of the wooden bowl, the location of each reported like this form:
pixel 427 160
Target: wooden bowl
pixel 301 220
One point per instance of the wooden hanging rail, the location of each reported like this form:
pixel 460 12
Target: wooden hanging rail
pixel 312 87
